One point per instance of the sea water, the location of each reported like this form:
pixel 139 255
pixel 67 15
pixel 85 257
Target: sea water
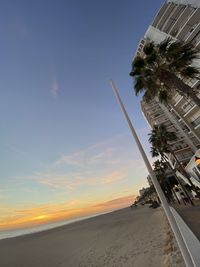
pixel 39 228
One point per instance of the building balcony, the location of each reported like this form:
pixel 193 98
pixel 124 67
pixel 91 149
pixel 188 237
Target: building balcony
pixel 196 123
pixel 190 109
pixel 191 19
pixel 183 149
pixel 197 127
pixel 179 140
pixel 164 18
pixel 159 14
pixel 181 20
pixel 177 100
pixel 158 116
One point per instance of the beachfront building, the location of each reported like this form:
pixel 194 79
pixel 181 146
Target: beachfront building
pixel 179 20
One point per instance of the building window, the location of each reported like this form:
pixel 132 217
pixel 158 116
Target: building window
pixel 196 122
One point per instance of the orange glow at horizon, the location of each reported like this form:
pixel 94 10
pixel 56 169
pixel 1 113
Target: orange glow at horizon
pixel 53 213
pixel 40 217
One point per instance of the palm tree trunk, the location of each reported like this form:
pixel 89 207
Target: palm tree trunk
pixel 171 80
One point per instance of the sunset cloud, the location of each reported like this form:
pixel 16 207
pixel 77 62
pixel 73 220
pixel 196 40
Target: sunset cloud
pixel 94 175
pixel 16 218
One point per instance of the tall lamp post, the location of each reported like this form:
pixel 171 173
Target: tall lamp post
pixel 170 217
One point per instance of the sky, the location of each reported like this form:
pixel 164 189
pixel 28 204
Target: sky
pixel 65 148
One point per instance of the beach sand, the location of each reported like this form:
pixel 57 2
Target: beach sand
pixel 138 237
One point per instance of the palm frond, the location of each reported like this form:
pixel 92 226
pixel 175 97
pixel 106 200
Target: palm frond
pixel 187 53
pixel 134 72
pixel 161 64
pixel 162 47
pixel 190 72
pixel 138 62
pixel 188 48
pixel 147 97
pixel 152 58
pixel 160 138
pixel 148 48
pixel 173 48
pixel 139 85
pixel 154 152
pixel 163 96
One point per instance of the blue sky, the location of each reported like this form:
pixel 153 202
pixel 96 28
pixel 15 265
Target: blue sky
pixel 62 134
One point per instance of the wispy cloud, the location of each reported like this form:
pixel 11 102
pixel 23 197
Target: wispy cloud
pixel 102 165
pixel 74 181
pixel 55 88
pixel 107 162
pixel 109 152
pixel 89 156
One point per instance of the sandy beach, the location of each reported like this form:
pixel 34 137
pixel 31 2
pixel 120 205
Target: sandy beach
pixel 125 238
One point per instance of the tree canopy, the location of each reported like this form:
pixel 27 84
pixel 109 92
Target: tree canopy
pixel 161 68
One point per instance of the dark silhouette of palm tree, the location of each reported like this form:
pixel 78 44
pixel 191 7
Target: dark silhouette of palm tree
pixel 161 68
pixel 160 169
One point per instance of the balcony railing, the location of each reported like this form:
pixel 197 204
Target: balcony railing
pixel 196 122
pixel 187 106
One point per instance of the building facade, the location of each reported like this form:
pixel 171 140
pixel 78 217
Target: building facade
pixel 179 20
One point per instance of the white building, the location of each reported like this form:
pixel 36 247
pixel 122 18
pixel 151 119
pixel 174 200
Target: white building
pixel 180 20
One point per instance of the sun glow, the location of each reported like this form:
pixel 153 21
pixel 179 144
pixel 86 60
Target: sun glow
pixel 40 217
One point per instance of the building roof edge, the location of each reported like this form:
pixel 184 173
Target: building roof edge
pixel 194 3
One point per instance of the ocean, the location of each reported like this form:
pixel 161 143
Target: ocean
pixel 39 228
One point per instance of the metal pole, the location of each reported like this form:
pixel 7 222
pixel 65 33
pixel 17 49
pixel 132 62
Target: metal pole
pixel 172 222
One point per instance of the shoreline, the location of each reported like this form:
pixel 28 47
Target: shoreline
pixel 123 238
pixel 5 234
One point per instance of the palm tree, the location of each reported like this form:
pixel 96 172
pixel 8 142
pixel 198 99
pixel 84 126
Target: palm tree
pixel 161 69
pixel 160 139
pixel 160 168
